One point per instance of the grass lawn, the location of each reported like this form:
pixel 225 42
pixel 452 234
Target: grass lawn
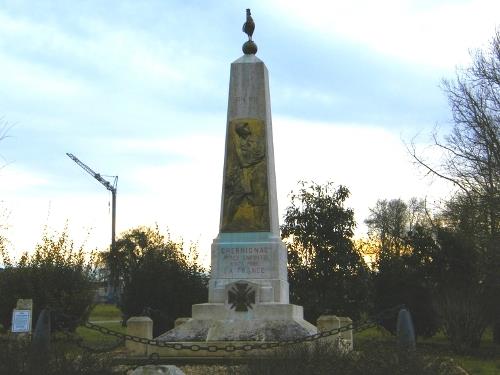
pixel 482 361
pixel 477 366
pixel 105 312
pixel 96 337
pixel 101 312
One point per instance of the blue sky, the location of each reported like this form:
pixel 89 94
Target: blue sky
pixel 139 89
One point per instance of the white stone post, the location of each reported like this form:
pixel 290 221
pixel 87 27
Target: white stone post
pixel 140 326
pixel 342 341
pixel 327 323
pixel 346 342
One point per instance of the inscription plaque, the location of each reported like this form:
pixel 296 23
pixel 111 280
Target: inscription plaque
pixel 245 262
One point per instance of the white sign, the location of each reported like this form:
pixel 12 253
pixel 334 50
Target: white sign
pixel 21 321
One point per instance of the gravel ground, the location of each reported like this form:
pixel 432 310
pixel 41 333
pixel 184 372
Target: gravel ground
pixel 210 370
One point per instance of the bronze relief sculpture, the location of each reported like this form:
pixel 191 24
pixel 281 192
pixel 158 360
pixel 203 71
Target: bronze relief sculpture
pixel 245 207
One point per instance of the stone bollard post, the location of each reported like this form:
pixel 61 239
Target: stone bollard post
pixel 140 326
pixel 346 337
pixel 327 323
pixel 342 341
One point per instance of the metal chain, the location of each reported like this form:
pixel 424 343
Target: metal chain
pixel 356 327
pixel 80 342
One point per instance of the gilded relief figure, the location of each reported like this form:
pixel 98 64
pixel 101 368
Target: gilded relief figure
pixel 245 190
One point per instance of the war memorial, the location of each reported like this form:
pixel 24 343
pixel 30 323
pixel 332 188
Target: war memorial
pixel 248 289
pixel 248 297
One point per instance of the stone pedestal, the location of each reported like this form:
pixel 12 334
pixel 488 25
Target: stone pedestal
pixel 259 258
pixel 265 322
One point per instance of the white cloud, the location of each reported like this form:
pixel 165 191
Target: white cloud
pixel 298 94
pixel 131 58
pixel 371 161
pixel 88 218
pixel 436 33
pixel 184 193
pixel 31 80
pixel 127 74
pixel 14 179
pixel 193 146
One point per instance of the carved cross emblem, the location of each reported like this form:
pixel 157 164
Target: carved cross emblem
pixel 241 296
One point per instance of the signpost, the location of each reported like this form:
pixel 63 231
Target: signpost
pixel 21 321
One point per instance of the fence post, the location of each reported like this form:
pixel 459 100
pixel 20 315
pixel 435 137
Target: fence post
pixel 140 326
pixel 342 341
pixel 346 341
pixel 327 323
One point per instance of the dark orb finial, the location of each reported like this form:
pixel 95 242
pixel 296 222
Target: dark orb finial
pixel 249 47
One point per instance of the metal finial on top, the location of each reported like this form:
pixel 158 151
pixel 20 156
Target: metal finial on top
pixel 249 47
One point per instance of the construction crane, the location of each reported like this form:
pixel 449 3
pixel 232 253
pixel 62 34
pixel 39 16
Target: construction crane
pixel 108 185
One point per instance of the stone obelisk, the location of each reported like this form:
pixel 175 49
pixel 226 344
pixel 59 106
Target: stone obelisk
pixel 248 289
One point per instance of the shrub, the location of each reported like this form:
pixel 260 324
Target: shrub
pixel 402 238
pixel 398 282
pixel 325 270
pixel 55 276
pixel 61 359
pixel 320 358
pixel 464 297
pixel 157 276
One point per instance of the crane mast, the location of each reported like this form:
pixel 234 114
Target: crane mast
pixel 108 185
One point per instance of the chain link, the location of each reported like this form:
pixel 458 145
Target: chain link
pixel 79 341
pixel 355 326
pixel 96 349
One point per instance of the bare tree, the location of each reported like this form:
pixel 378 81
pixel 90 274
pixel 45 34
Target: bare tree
pixel 471 160
pixel 4 258
pixel 391 221
pixel 5 126
pixel 471 152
